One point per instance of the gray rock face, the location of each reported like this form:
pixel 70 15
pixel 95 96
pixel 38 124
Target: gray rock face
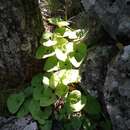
pixel 95 68
pixel 19 32
pixel 107 76
pixel 117 90
pixel 114 16
pixel 25 123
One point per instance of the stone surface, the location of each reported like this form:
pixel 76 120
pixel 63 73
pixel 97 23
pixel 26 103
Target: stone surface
pixel 107 76
pixel 114 16
pixel 95 68
pixel 12 123
pixel 117 90
pixel 20 29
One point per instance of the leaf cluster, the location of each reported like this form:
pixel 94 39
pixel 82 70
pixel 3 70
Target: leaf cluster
pixel 54 94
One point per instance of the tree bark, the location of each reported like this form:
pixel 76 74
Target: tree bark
pixel 20 30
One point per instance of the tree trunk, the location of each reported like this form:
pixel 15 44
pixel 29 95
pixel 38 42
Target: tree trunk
pixel 20 30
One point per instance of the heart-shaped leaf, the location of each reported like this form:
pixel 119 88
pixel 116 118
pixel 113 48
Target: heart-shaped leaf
pixel 78 55
pixel 62 23
pixel 56 78
pixel 40 115
pixel 65 65
pixel 28 91
pixel 24 109
pixel 69 47
pixel 70 34
pixel 15 101
pixel 76 123
pixel 71 76
pixel 75 107
pixel 54 20
pixel 61 90
pixel 37 80
pixel 74 96
pixel 37 92
pixel 45 81
pixel 58 21
pixel 60 31
pixel 60 54
pixel 44 52
pixel 51 64
pixel 60 40
pixel 49 43
pixel 46 36
pixel 47 98
pixel 92 105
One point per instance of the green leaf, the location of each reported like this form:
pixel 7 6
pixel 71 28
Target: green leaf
pixel 70 34
pixel 60 40
pixel 79 105
pixel 15 101
pixel 76 101
pixel 44 52
pixel 69 47
pixel 65 76
pixel 47 112
pixel 47 125
pixel 92 105
pixel 58 21
pixel 78 55
pixel 106 125
pixel 74 62
pixel 37 92
pixel 61 90
pixel 51 64
pixel 62 23
pixel 46 36
pixel 81 33
pixel 71 76
pixel 47 98
pixel 65 65
pixel 56 78
pixel 49 43
pixel 40 115
pixel 68 126
pixel 74 96
pixel 37 80
pixel 45 81
pixel 54 20
pixel 64 112
pixel 60 31
pixel 60 54
pixel 76 123
pixel 24 109
pixel 28 91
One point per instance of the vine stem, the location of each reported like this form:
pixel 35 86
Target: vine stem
pixel 66 9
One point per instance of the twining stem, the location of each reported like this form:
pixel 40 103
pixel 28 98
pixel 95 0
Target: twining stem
pixel 66 9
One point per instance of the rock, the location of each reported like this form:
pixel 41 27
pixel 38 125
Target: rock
pixel 12 123
pixel 20 29
pixel 113 15
pixel 95 68
pixel 117 90
pixel 106 75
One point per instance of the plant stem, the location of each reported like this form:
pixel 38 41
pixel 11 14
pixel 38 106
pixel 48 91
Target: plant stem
pixel 66 9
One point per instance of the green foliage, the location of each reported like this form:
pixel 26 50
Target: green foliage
pixel 58 21
pixel 92 106
pixel 50 94
pixel 15 101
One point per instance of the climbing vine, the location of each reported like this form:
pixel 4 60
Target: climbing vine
pixel 56 93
